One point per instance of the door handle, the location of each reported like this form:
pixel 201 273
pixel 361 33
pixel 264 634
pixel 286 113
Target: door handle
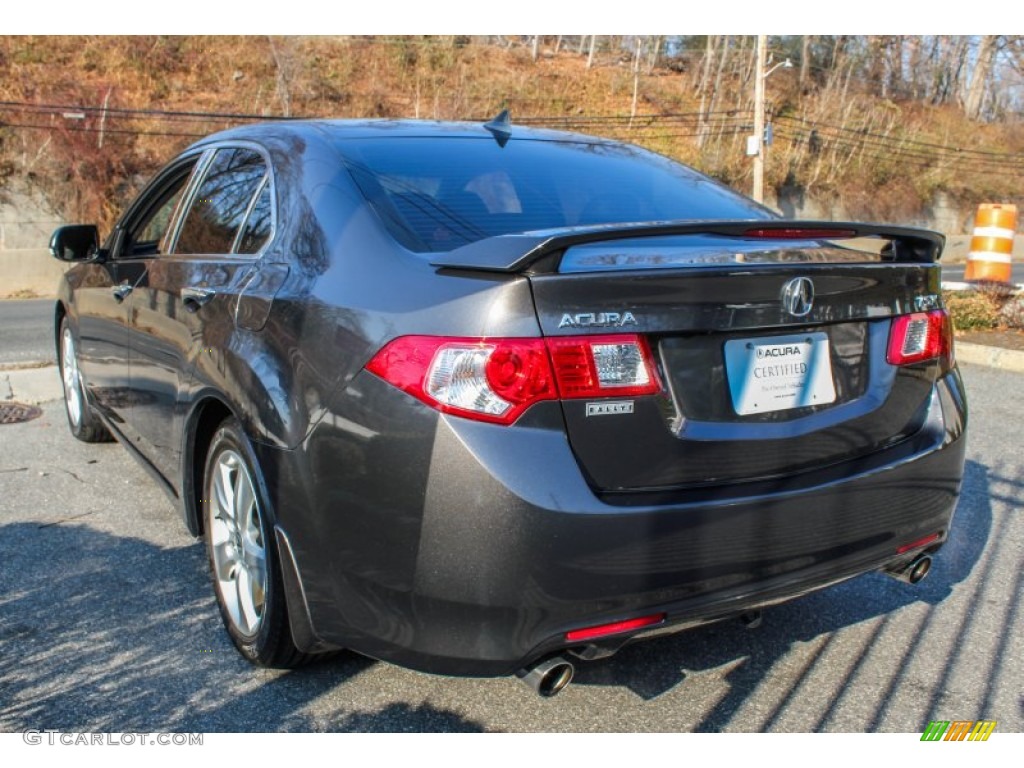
pixel 121 292
pixel 194 298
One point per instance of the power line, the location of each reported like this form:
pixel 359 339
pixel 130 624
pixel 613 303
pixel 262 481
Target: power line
pixel 658 126
pixel 88 129
pixel 635 122
pixel 907 149
pixel 193 114
pixel 876 151
pixel 814 124
pixel 129 112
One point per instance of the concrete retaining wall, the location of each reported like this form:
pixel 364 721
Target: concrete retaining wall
pixel 28 272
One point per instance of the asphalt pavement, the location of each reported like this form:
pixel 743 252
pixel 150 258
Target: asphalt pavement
pixel 26 332
pixel 107 623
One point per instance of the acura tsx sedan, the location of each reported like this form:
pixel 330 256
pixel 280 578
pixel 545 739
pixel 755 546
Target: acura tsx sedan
pixel 486 400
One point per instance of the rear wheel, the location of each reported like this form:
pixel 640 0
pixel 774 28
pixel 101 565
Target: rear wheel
pixel 242 554
pixel 84 424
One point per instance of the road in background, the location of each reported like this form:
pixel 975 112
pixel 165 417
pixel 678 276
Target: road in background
pixel 955 272
pixel 26 331
pixel 107 623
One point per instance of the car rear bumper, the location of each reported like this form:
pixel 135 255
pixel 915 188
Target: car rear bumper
pixel 492 549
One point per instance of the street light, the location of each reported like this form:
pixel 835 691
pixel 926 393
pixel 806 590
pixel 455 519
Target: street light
pixel 755 145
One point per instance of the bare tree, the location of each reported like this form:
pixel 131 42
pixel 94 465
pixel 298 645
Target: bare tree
pixel 895 64
pixel 974 99
pixel 805 58
pixel 285 61
pixel 654 51
pixel 948 59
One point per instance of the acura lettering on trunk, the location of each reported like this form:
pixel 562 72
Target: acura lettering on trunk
pixel 597 320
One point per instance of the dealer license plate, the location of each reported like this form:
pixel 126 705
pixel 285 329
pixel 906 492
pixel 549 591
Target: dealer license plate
pixel 779 373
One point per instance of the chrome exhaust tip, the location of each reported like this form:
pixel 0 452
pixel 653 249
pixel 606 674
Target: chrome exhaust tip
pixel 918 569
pixel 548 677
pixel 912 572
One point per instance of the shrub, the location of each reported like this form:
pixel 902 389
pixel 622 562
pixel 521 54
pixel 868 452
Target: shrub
pixel 1012 313
pixel 997 293
pixel 972 311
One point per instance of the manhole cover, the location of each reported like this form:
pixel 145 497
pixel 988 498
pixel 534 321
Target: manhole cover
pixel 14 413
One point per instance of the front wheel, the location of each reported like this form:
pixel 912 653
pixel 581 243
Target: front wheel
pixel 242 555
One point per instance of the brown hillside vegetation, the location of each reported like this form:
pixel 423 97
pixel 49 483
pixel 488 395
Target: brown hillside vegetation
pixel 879 124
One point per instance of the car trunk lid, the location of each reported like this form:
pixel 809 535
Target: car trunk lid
pixel 770 342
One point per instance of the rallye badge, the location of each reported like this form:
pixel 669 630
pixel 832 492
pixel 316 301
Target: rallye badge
pixel 609 409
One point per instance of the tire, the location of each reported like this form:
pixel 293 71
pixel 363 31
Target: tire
pixel 242 554
pixel 85 425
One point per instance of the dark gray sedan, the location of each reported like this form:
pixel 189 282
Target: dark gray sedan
pixel 483 400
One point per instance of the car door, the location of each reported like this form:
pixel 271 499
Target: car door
pixel 102 321
pixel 183 304
pixel 103 299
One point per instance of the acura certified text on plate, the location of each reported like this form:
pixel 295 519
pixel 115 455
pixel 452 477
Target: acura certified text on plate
pixel 779 373
pixel 485 400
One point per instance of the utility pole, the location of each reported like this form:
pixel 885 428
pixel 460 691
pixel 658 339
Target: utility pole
pixel 758 191
pixel 103 117
pixel 755 144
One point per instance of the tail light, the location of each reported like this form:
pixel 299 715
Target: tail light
pixel 919 337
pixel 497 379
pixel 603 366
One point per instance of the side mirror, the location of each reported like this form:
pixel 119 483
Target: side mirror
pixel 78 242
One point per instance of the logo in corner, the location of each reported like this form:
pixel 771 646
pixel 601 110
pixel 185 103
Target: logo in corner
pixel 958 730
pixel 798 296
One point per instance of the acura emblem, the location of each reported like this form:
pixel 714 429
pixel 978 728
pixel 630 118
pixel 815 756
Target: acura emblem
pixel 798 296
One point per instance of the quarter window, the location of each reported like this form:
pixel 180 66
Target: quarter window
pixel 220 204
pixel 257 225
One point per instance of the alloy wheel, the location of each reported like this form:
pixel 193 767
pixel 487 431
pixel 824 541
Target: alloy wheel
pixel 237 542
pixel 71 378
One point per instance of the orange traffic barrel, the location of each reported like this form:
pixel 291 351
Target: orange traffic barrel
pixel 992 243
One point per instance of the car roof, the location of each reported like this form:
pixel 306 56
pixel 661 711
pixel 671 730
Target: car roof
pixel 334 130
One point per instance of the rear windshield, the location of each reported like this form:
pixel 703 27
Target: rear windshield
pixel 437 194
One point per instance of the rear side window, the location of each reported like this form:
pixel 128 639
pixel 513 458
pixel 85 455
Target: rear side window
pixel 437 194
pixel 222 203
pixel 258 223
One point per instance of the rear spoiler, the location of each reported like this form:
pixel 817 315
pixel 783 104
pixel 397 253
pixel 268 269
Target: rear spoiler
pixel 514 253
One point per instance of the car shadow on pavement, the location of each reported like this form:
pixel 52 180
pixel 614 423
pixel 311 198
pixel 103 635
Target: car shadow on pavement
pixel 652 669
